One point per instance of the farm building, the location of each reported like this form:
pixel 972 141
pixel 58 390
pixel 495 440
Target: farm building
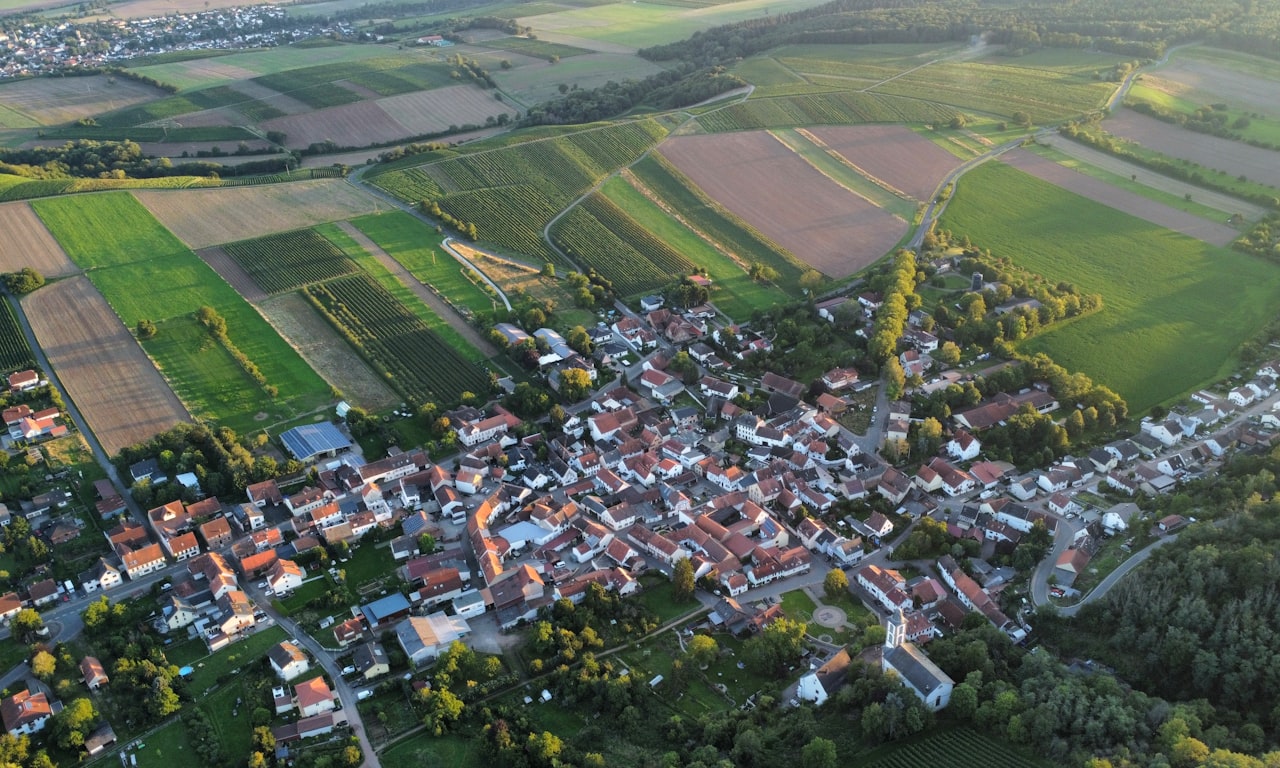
pixel 312 441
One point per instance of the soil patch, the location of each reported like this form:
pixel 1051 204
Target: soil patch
pixel 28 243
pixel 327 354
pixel 1233 157
pixel 112 381
pixel 894 154
pixel 205 217
pixel 770 187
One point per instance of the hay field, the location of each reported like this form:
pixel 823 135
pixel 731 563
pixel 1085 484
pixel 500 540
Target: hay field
pixel 28 243
pixel 205 217
pixel 113 383
pixel 51 101
pixel 770 187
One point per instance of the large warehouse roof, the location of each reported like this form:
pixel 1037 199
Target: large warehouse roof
pixel 311 440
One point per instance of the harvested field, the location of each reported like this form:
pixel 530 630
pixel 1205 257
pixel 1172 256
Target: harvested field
pixel 761 181
pixel 359 90
pixel 233 273
pixel 137 9
pixel 28 243
pixel 50 101
pixel 350 125
pixel 299 324
pixel 285 103
pixel 210 117
pixel 113 383
pixel 1233 157
pixel 1112 164
pixel 205 217
pixel 894 154
pixel 1122 200
pixel 395 117
pixel 1215 83
pixel 435 110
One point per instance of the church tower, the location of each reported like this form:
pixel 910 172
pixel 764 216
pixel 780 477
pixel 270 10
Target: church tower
pixel 895 631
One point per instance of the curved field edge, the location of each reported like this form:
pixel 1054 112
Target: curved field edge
pixel 122 247
pixel 1175 310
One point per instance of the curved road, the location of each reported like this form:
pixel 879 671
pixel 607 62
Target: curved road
pixel 1113 578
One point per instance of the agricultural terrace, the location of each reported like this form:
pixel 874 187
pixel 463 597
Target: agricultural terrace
pixel 660 181
pixel 50 101
pixel 1175 310
pixel 413 358
pixel 599 235
pixel 733 292
pixel 840 108
pixel 27 243
pixel 1212 232
pixel 289 260
pixel 759 179
pixel 15 353
pixel 957 748
pixel 117 389
pixel 205 217
pixel 1233 157
pixel 416 247
pixel 511 192
pixel 124 247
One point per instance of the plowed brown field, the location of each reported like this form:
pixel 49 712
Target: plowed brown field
pixel 27 243
pixel 53 100
pixel 205 217
pixel 894 154
pixel 1122 200
pixel 761 181
pixel 112 381
pixel 1234 157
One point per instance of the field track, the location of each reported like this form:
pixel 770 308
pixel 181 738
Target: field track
pixel 26 242
pixel 112 381
pixel 233 273
pixel 761 181
pixel 429 298
pixel 1233 157
pixel 205 217
pixel 1121 199
pixel 892 153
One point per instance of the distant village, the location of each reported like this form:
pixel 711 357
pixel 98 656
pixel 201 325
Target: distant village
pixel 42 48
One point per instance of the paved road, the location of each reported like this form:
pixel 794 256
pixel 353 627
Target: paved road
pixel 1113 578
pixel 98 453
pixel 934 211
pixel 325 657
pixel 1063 535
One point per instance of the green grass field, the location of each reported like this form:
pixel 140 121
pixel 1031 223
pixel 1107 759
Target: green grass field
pixel 417 246
pixel 641 24
pixel 165 747
pixel 427 751
pixel 734 293
pixel 1175 309
pixel 123 246
pixel 247 651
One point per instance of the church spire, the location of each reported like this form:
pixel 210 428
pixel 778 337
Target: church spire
pixel 895 631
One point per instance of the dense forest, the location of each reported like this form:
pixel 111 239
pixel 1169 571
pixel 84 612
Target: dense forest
pixel 1199 623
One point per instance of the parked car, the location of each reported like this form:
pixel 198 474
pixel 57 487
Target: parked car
pixel 348 670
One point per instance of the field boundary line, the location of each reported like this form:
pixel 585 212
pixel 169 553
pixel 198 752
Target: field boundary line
pixel 628 176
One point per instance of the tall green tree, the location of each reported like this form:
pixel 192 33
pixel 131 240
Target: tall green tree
pixel 682 580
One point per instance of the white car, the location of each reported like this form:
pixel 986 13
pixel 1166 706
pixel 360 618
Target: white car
pixel 362 695
pixel 348 670
pixel 263 585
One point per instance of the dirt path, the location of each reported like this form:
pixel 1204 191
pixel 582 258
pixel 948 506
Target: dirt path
pixel 429 298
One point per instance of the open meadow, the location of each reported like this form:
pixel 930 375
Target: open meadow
pixel 28 243
pixel 122 396
pixel 126 249
pixel 762 181
pixel 1212 75
pixel 205 217
pixel 1175 310
pixel 197 73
